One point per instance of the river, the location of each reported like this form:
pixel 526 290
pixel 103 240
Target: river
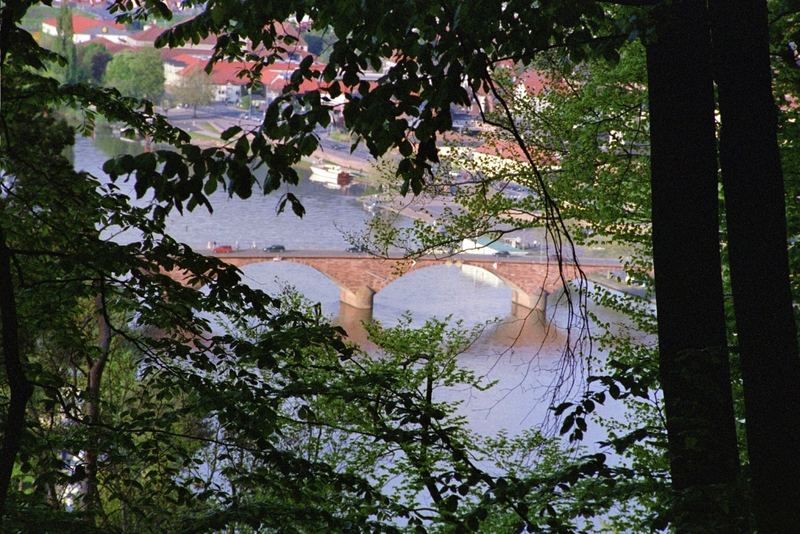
pixel 518 352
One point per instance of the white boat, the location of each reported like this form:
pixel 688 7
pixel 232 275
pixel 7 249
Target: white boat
pixel 330 174
pixel 325 173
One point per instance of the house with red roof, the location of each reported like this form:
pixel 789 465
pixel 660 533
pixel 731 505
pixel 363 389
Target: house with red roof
pixel 148 36
pixel 229 78
pixel 175 63
pixel 289 37
pixel 85 29
pixel 499 157
pixel 113 47
pixel 225 77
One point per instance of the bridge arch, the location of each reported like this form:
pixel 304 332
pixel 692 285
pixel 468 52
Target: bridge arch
pixel 273 277
pixel 526 280
pixel 416 266
pixel 440 290
pixel 519 294
pixel 484 267
pixel 359 297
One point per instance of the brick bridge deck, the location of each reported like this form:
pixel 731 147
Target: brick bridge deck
pixel 359 276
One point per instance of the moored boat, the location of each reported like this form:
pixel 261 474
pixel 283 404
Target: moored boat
pixel 330 174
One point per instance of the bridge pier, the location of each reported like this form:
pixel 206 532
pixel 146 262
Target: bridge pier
pixel 531 301
pixel 361 298
pixel 352 320
pixel 532 317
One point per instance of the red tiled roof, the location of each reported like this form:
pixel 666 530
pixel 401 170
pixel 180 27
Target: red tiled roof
pixel 222 74
pixel 151 34
pixel 183 57
pixel 83 25
pixel 185 53
pixel 502 149
pixel 275 76
pixel 510 150
pixel 189 59
pixel 533 81
pixel 111 46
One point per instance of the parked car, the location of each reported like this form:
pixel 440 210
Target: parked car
pixel 222 249
pixel 502 253
pixel 275 248
pixel 358 248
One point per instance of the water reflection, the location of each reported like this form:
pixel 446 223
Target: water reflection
pixel 352 320
pixel 113 145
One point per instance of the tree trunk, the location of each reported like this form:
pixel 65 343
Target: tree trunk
pixel 20 388
pixel 92 498
pixel 693 358
pixel 755 210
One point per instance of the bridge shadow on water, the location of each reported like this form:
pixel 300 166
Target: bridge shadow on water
pixel 521 329
pixel 526 328
pixel 437 291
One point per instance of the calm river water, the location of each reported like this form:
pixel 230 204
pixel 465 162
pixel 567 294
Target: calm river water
pixel 520 354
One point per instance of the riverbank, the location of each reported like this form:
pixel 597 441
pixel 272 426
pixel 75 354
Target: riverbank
pixel 206 132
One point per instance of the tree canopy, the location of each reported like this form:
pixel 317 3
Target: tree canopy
pixel 194 89
pixel 67 72
pixel 93 60
pixel 138 74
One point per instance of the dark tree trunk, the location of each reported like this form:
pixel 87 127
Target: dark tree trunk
pixel 19 387
pixel 755 210
pixel 693 354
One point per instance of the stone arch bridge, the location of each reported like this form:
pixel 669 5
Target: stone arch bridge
pixel 359 276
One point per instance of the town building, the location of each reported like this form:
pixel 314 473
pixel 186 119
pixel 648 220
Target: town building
pixel 85 29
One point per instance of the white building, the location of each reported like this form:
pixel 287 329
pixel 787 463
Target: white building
pixel 85 29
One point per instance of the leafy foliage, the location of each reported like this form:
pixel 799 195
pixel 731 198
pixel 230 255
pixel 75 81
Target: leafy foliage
pixel 93 60
pixel 260 406
pixel 196 430
pixel 194 90
pixel 138 74
pixel 67 72
pixel 281 425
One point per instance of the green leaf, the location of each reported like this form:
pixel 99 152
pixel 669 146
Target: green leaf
pixel 558 410
pixel 567 424
pixel 230 132
pixel 210 186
